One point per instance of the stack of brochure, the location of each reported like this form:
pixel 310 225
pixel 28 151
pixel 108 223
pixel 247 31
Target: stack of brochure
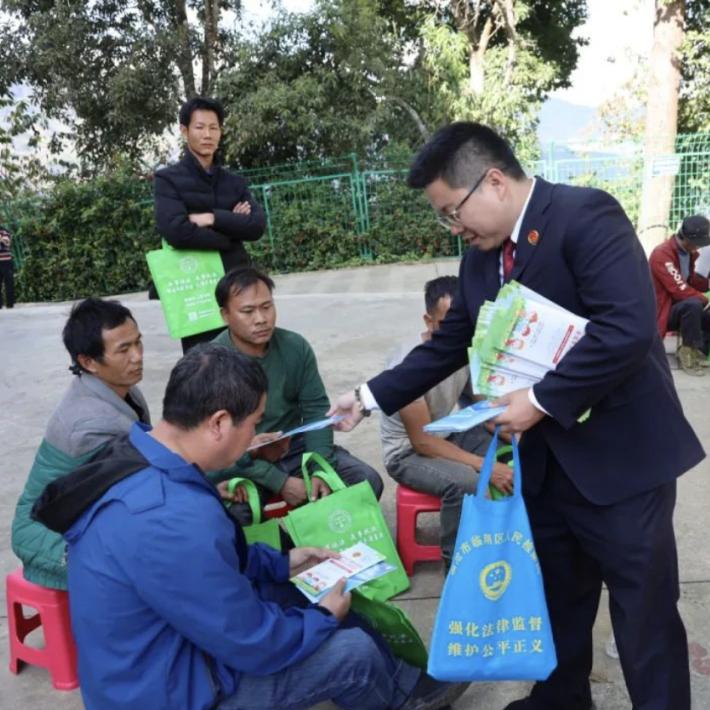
pixel 519 338
pixel 357 564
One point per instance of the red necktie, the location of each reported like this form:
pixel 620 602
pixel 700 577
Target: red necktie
pixel 508 258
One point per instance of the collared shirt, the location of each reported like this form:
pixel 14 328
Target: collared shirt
pixel 515 234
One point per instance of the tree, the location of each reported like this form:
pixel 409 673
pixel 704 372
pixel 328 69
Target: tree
pixel 366 75
pixel 664 78
pixel 495 60
pixel 115 72
pixel 326 83
pixel 694 108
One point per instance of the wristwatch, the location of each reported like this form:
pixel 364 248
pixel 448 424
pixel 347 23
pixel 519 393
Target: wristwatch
pixel 361 407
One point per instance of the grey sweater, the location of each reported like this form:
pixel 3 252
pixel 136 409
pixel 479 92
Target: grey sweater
pixel 89 415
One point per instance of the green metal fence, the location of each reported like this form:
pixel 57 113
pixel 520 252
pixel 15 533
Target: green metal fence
pixel 374 204
pixel 341 210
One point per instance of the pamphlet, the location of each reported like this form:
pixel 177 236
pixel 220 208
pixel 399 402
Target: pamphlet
pixel 312 426
pixel 465 419
pixel 358 564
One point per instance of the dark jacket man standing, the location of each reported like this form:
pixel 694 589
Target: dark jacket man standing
pixel 199 204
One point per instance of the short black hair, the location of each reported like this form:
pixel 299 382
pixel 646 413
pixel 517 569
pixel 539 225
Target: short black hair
pixel 83 331
pixel 200 103
pixel 236 280
pixel 437 289
pixel 460 153
pixel 209 378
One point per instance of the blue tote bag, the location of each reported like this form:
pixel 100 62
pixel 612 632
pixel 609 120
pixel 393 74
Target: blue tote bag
pixel 492 622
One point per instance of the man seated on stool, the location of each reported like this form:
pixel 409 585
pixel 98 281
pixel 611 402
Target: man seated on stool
pixel 171 608
pixel 441 465
pixel 681 303
pixel 102 402
pixel 296 396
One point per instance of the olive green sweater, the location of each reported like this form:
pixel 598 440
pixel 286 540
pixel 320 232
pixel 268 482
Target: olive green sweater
pixel 295 396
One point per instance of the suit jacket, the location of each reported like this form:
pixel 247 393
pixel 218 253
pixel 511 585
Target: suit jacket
pixel 185 188
pixel 588 260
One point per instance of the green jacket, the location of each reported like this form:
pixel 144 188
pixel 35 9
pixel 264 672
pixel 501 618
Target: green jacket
pixel 295 396
pixel 89 415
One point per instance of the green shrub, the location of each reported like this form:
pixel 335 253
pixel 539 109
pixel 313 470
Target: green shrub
pixel 90 238
pixel 87 238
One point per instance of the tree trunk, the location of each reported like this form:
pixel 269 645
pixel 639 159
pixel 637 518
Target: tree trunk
pixel 184 54
pixel 210 44
pixel 661 122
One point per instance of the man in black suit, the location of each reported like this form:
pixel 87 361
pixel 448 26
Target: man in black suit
pixel 600 494
pixel 199 204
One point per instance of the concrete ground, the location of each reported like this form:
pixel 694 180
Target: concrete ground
pixel 352 318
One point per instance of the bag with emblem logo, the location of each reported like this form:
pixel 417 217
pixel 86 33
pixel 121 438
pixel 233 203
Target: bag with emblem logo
pixel 185 280
pixel 492 622
pixel 346 516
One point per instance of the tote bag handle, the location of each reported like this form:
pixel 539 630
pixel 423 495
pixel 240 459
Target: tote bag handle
pixel 325 472
pixel 487 468
pixel 252 496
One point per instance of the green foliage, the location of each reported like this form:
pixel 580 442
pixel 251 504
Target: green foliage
pixel 20 170
pixel 694 107
pixel 113 72
pixel 402 225
pixel 316 84
pixel 86 238
pixel 478 68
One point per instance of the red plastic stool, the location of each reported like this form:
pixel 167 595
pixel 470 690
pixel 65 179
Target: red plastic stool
pixel 59 653
pixel 409 504
pixel 276 507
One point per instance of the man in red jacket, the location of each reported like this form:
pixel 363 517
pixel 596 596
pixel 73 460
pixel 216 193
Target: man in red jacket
pixel 681 301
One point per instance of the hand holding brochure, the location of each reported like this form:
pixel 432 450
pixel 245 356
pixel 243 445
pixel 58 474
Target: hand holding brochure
pixel 313 426
pixel 358 564
pixel 519 338
pixel 465 419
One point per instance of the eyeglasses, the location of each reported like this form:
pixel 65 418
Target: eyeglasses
pixel 452 219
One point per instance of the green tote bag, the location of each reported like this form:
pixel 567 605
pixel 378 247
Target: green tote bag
pixel 347 516
pixel 185 280
pixel 394 626
pixel 266 532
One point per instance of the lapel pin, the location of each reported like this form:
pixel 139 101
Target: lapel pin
pixel 533 237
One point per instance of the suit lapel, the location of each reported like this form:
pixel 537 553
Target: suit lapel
pixel 532 230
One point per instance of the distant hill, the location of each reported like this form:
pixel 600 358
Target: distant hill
pixel 563 122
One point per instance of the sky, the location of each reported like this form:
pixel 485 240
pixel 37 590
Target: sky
pixel 613 28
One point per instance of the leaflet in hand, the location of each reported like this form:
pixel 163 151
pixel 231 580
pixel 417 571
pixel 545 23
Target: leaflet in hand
pixel 465 419
pixel 358 564
pixel 313 426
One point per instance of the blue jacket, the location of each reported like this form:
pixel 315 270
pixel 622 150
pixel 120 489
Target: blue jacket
pixel 163 607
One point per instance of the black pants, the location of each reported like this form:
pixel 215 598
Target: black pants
pixel 7 277
pixel 191 340
pixel 631 547
pixel 692 321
